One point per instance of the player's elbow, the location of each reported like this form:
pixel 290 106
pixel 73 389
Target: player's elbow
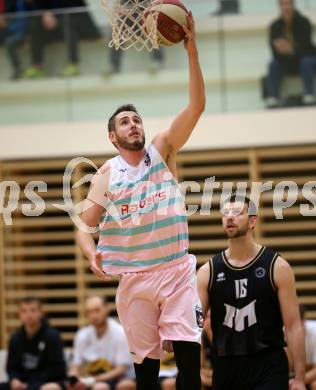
pixel 199 105
pixel 294 329
pixel 81 236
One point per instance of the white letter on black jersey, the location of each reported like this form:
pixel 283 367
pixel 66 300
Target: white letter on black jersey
pixel 236 318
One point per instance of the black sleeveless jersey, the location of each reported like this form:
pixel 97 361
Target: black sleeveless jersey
pixel 245 311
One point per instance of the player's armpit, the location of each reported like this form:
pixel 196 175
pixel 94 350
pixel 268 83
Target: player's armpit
pixel 97 200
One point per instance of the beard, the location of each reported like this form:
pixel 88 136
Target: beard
pixel 134 145
pixel 240 232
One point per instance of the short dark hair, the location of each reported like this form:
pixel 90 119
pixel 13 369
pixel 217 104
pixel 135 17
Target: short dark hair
pixel 292 1
pixel 124 107
pixel 234 197
pixel 31 299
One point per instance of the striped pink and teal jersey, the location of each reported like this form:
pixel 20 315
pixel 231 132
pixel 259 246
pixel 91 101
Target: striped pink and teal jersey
pixel 145 225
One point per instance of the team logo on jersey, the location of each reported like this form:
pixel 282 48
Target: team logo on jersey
pixel 147 160
pixel 150 201
pixel 220 277
pixel 260 272
pixel 240 319
pixel 199 316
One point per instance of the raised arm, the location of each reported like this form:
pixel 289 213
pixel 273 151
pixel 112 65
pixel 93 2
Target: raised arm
pixel 169 141
pixel 285 283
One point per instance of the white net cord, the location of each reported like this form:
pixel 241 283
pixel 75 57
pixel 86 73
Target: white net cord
pixel 127 20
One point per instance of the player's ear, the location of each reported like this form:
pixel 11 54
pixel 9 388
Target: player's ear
pixel 252 222
pixel 112 136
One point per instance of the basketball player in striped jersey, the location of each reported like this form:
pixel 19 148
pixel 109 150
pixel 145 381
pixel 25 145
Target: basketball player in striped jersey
pixel 144 237
pixel 250 290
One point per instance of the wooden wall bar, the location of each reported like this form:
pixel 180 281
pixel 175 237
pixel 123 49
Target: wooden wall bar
pixel 39 256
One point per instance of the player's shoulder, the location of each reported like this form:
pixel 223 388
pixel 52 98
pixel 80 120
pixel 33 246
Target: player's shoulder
pixel 104 168
pixel 204 268
pixel 204 273
pixel 281 264
pixel 208 266
pixel 102 173
pixel 283 273
pixel 217 257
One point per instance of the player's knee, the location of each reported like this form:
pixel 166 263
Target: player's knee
pixel 126 385
pixel 100 386
pixel 50 386
pixel 169 384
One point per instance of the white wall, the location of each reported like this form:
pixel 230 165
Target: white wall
pixel 276 127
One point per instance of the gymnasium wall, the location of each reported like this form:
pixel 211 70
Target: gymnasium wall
pixel 262 128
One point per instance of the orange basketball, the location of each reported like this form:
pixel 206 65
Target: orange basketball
pixel 172 15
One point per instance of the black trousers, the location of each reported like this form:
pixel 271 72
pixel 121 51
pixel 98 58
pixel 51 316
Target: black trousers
pixel 262 371
pixel 68 28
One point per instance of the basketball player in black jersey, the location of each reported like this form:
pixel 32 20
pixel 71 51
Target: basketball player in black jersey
pixel 250 291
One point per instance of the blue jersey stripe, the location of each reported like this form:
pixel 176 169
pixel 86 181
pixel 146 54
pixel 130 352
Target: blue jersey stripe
pixel 151 245
pixel 146 228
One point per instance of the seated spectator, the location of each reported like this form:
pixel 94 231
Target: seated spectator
pixel 310 351
pixel 293 53
pixel 168 372
pixel 42 27
pixel 167 375
pixel 157 56
pixel 76 25
pixel 35 353
pixel 15 30
pixel 101 358
pixel 310 348
pixel 48 24
pixel 157 59
pixel 3 23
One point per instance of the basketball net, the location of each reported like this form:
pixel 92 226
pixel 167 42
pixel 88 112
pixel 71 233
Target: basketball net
pixel 127 20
